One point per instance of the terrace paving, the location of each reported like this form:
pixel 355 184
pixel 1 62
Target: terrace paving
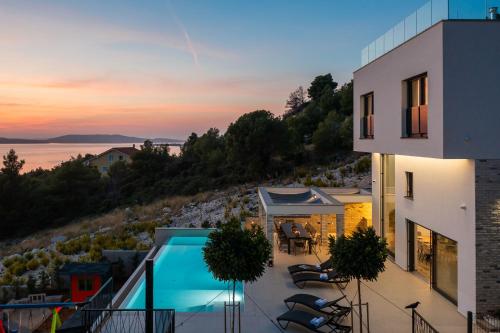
pixel 387 298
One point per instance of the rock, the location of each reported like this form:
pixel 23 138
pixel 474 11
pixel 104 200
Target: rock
pixel 59 238
pixel 166 210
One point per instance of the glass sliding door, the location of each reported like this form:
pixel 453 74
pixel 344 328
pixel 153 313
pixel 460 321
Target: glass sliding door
pixel 388 203
pixel 435 258
pixel 445 267
pixel 420 250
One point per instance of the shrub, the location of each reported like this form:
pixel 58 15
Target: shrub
pixel 362 165
pixel 206 224
pixel 8 262
pixel 28 256
pixel 32 264
pixel 6 279
pixel 74 246
pixel 18 268
pixel 343 171
pixel 44 261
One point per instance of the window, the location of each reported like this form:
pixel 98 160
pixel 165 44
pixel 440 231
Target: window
pixel 416 110
pixel 388 201
pixel 366 128
pixel 85 284
pixel 409 185
pixel 104 169
pixel 110 157
pixel 120 158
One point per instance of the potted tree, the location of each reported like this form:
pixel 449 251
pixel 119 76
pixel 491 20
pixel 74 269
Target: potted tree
pixel 235 255
pixel 360 256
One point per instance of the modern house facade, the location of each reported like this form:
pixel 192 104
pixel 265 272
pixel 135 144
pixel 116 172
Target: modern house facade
pixel 428 111
pixel 104 160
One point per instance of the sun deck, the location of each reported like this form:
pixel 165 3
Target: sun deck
pixel 387 298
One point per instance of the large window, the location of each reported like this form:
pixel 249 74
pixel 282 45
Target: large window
pixel 388 203
pixel 445 266
pixel 435 258
pixel 416 111
pixel 366 127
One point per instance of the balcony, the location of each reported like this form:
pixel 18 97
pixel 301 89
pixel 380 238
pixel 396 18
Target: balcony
pixel 416 122
pixel 426 16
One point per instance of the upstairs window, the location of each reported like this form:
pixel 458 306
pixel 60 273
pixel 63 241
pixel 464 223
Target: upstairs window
pixel 409 185
pixel 110 157
pixel 416 111
pixel 366 127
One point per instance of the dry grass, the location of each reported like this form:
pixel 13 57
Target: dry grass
pixel 112 220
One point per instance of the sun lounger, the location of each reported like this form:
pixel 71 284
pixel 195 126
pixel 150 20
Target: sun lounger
pixel 320 268
pixel 314 323
pixel 300 279
pixel 330 308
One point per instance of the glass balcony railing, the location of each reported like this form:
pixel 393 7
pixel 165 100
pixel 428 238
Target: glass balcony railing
pixel 426 16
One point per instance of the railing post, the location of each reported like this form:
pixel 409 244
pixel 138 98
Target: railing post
pixel 367 317
pixel 413 320
pixel 173 322
pixel 149 296
pixel 469 322
pixel 225 318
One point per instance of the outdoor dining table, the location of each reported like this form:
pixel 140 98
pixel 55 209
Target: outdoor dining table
pixel 298 234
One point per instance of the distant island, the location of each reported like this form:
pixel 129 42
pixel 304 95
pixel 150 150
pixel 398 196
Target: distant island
pixel 88 138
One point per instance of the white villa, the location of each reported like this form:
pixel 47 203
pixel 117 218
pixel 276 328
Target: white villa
pixel 427 108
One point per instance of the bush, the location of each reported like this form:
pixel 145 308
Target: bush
pixel 363 165
pixel 74 246
pixel 32 264
pixel 18 268
pixel 44 261
pixel 6 279
pixel 28 256
pixel 343 171
pixel 206 224
pixel 8 262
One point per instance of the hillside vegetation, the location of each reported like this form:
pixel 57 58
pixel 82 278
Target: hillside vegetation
pixel 258 146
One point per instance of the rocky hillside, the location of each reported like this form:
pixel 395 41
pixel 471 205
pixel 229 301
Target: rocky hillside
pixel 37 257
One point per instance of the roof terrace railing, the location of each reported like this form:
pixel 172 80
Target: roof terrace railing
pixel 429 14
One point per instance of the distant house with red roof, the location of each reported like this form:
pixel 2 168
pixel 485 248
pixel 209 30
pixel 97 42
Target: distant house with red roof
pixel 104 160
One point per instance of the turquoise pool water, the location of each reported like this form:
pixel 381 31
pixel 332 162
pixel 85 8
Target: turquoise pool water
pixel 182 280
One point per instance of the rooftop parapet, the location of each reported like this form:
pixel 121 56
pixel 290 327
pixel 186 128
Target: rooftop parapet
pixel 429 14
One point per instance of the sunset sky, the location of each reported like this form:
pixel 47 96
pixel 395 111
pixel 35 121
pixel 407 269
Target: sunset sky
pixel 168 68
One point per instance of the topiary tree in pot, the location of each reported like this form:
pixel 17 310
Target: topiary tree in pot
pixel 235 255
pixel 360 256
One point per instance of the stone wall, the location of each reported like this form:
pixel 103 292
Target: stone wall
pixel 487 235
pixel 357 214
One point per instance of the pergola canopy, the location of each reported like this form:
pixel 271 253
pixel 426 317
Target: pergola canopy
pixel 298 201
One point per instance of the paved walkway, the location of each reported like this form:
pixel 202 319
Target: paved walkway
pixel 387 298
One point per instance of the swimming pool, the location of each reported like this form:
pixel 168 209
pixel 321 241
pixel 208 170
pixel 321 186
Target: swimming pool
pixel 181 280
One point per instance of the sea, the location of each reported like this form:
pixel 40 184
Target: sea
pixel 49 155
